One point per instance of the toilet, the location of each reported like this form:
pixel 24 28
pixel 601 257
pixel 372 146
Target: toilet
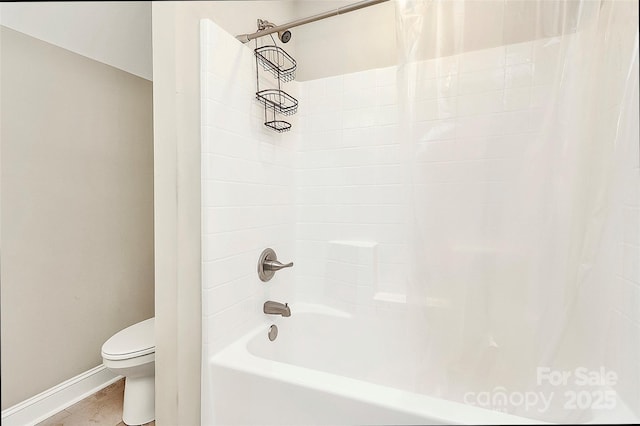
pixel 131 353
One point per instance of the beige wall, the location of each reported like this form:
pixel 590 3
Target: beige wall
pixel 77 211
pixel 366 38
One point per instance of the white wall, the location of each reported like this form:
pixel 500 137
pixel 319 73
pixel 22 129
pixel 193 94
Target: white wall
pixel 114 33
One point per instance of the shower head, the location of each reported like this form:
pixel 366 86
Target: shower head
pixel 284 35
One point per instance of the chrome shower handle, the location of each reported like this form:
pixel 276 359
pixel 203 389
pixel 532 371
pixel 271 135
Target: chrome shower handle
pixel 274 265
pixel 268 265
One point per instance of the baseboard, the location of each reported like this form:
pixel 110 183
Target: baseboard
pixel 59 397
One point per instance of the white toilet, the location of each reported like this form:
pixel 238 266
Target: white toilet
pixel 131 353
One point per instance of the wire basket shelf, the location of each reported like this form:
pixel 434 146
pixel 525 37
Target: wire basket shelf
pixel 279 126
pixel 277 61
pixel 278 100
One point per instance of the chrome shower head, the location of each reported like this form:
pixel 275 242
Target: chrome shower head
pixel 284 36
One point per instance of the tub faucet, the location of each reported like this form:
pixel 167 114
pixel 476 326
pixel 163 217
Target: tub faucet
pixel 276 308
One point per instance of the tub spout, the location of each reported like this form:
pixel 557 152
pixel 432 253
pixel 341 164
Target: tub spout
pixel 276 308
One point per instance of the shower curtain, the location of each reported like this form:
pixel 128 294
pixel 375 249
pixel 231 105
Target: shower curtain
pixel 521 177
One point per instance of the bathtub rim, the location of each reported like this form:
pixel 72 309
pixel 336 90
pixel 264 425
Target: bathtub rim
pixel 236 356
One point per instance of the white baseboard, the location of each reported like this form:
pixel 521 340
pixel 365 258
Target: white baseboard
pixel 59 397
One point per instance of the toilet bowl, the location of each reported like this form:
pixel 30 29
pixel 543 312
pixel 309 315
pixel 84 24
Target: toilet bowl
pixel 131 353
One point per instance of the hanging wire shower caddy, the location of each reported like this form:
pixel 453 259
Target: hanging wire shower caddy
pixel 282 66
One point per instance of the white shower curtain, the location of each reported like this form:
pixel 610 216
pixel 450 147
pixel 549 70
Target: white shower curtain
pixel 521 179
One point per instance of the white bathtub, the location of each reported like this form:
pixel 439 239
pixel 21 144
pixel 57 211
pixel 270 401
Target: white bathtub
pixel 321 370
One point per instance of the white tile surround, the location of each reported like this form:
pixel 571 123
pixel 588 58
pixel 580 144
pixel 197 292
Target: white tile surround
pixel 473 114
pixel 247 192
pixel 334 183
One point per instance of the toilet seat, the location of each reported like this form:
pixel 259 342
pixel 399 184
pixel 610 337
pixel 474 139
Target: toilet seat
pixel 131 353
pixel 134 341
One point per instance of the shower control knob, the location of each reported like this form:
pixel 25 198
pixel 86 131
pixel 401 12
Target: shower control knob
pixel 274 265
pixel 268 265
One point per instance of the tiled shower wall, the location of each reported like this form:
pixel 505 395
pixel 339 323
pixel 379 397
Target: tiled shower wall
pixel 476 113
pixel 247 192
pixel 473 114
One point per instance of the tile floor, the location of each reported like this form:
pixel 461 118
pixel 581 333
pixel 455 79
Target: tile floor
pixel 103 408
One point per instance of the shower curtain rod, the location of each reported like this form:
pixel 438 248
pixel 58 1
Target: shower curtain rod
pixel 245 38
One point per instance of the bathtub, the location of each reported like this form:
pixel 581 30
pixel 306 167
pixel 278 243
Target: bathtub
pixel 320 370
